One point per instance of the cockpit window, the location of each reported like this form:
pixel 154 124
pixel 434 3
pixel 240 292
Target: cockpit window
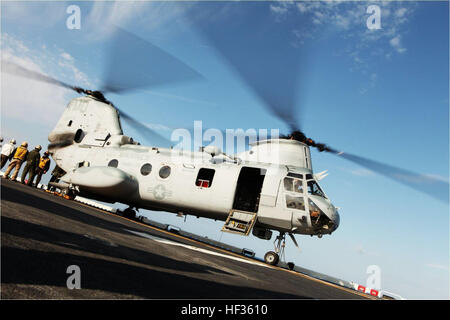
pixel 293 185
pixel 298 186
pixel 288 184
pixel 314 189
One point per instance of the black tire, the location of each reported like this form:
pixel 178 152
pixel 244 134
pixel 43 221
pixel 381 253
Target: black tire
pixel 129 213
pixel 271 258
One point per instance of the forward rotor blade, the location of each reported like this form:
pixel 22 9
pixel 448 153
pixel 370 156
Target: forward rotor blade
pixel 134 63
pixel 15 69
pixel 436 188
pixel 262 53
pixel 150 135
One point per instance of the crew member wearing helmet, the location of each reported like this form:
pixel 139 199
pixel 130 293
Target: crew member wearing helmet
pixel 32 163
pixel 42 168
pixel 19 156
pixel 8 151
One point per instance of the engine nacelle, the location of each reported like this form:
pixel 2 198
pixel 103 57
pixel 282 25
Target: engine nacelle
pixel 279 151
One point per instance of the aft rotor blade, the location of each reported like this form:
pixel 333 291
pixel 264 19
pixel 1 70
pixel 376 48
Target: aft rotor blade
pixel 15 69
pixel 134 63
pixel 150 135
pixel 434 187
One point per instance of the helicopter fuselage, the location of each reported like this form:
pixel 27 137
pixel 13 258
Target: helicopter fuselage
pixel 273 180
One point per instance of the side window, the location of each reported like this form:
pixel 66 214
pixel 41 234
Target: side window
pixel 113 163
pixel 293 185
pixel 146 169
pixel 205 178
pixel 164 172
pixel 314 189
pixel 295 202
pixel 79 135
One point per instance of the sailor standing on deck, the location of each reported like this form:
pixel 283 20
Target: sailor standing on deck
pixel 19 156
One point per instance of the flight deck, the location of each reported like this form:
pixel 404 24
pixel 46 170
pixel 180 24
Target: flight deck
pixel 43 235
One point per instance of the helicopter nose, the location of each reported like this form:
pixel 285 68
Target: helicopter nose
pixel 334 217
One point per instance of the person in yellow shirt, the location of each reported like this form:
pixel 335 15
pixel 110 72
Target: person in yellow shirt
pixel 44 165
pixel 19 156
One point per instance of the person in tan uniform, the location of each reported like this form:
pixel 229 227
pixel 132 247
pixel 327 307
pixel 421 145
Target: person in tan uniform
pixel 19 156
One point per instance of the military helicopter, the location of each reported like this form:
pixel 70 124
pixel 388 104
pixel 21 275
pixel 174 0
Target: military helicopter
pixel 270 187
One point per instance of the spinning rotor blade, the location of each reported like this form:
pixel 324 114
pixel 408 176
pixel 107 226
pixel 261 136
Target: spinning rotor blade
pixel 437 188
pixel 149 134
pixel 15 69
pixel 134 63
pixel 434 187
pixel 263 54
pixel 274 79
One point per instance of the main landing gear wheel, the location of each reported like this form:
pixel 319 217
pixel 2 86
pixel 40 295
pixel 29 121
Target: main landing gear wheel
pixel 129 213
pixel 271 258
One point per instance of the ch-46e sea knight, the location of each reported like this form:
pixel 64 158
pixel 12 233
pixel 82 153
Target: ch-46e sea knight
pixel 270 187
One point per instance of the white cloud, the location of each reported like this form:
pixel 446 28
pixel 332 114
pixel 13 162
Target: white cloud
pixel 438 267
pixel 396 44
pixel 342 21
pixel 400 12
pixel 348 20
pixel 104 15
pixel 278 9
pixel 67 56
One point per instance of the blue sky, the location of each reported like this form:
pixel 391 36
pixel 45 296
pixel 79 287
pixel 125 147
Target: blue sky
pixel 382 94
